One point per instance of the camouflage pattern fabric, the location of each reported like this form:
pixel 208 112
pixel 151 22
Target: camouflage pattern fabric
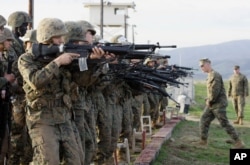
pixel 154 107
pixel 103 123
pixel 217 98
pixel 90 131
pixel 48 114
pixel 85 110
pixel 137 106
pixel 21 149
pixel 112 97
pixel 220 113
pixel 127 115
pixel 238 89
pixel 78 108
pixel 146 105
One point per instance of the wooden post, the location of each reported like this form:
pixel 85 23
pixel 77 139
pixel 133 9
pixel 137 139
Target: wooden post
pixel 143 139
pixel 164 117
pixel 31 11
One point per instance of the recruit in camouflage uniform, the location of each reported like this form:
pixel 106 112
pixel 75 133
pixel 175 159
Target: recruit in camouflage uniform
pixel 125 98
pixel 96 106
pixel 21 150
pixel 112 96
pixel 102 118
pixel 238 90
pixel 154 99
pixel 6 80
pixel 216 103
pixel 84 116
pixel 4 105
pixel 94 99
pixel 47 89
pixel 74 36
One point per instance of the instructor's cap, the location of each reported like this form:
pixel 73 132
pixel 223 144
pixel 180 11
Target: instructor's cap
pixel 236 67
pixel 203 61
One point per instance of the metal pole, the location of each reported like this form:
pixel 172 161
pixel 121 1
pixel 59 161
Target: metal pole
pixel 101 20
pixel 31 12
pixel 133 34
pixel 125 25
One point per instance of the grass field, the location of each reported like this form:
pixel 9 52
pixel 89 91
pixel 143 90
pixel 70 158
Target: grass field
pixel 180 151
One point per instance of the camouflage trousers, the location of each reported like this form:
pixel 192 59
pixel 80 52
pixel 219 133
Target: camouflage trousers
pixel 220 113
pixel 239 104
pixel 137 111
pixel 146 105
pixel 103 124
pixel 154 107
pixel 49 141
pixel 79 124
pixel 164 103
pixel 4 145
pixel 90 132
pixel 21 151
pixel 116 124
pixel 127 116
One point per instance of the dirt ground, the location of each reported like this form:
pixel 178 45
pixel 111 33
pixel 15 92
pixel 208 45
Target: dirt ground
pixel 180 144
pixel 182 149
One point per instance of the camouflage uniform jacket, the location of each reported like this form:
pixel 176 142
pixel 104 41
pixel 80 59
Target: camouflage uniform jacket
pixel 18 46
pixel 47 89
pixel 3 82
pixel 238 85
pixel 216 93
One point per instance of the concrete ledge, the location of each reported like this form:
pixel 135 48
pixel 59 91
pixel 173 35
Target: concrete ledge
pixel 148 155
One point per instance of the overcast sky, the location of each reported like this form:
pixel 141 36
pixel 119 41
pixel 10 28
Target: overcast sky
pixel 171 22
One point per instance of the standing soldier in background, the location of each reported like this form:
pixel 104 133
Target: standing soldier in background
pixel 238 90
pixel 21 151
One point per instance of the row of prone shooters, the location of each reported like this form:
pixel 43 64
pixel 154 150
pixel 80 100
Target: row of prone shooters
pixel 138 76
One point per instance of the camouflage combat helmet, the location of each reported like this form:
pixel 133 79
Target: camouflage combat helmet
pixel 50 27
pixel 119 39
pixel 8 34
pixel 2 38
pixel 115 38
pixel 75 32
pixel 87 27
pixel 17 18
pixel 30 36
pixel 149 60
pixel 2 21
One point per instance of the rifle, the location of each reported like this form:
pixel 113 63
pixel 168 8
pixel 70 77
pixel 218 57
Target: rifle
pixel 161 75
pixel 47 53
pixel 182 67
pixel 148 84
pixel 149 47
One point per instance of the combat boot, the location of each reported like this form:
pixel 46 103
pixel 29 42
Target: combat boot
pixel 237 121
pixel 241 121
pixel 239 144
